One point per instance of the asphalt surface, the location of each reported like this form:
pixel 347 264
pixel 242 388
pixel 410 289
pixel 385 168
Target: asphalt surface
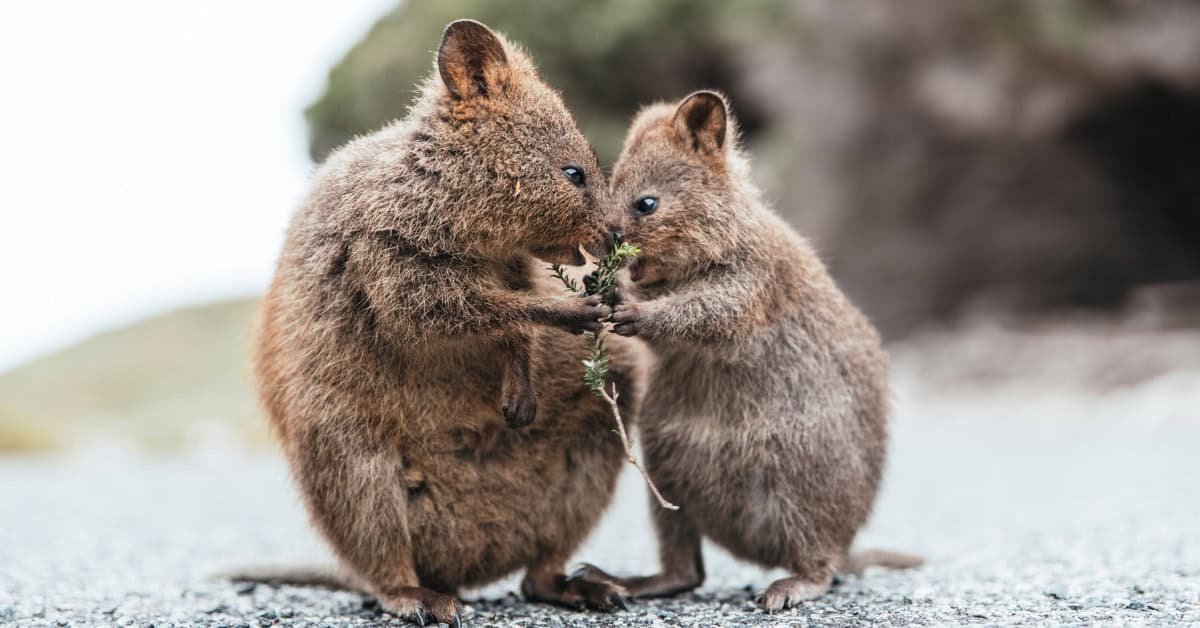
pixel 1028 509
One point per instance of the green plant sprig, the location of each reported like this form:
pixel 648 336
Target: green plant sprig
pixel 600 281
pixel 595 374
pixel 560 273
pixel 605 275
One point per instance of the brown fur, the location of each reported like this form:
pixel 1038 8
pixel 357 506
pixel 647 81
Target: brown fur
pixel 766 415
pixel 405 303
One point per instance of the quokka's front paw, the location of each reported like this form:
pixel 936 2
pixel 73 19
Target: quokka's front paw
pixel 519 409
pixel 580 314
pixel 612 297
pixel 628 319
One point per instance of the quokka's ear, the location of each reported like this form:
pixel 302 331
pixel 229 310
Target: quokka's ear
pixel 471 59
pixel 700 120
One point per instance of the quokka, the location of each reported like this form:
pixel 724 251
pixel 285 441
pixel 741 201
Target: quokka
pixel 405 335
pixel 765 416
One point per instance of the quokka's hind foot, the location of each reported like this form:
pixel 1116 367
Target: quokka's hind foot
pixel 658 585
pixel 788 592
pixel 574 593
pixel 424 607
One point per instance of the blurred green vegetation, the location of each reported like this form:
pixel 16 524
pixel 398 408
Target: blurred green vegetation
pixel 610 57
pixel 607 57
pixel 162 383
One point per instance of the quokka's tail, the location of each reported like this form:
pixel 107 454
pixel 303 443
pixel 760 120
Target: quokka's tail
pixel 859 560
pixel 301 576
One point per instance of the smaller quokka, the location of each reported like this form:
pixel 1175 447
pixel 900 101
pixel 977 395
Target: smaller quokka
pixel 765 417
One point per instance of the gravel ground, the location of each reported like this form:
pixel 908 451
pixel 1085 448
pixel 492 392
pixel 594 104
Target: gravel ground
pixel 1030 507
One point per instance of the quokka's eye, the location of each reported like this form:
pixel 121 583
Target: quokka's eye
pixel 645 206
pixel 575 174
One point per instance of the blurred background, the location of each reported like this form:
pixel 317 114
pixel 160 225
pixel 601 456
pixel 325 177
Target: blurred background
pixel 1009 189
pixel 1016 184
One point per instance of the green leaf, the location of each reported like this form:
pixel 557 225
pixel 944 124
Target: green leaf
pixel 560 273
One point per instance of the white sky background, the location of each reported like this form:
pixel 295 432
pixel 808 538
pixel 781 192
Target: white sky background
pixel 151 153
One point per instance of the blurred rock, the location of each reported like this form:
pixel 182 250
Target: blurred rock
pixel 1019 157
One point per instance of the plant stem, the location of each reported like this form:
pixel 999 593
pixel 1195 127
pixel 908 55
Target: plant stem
pixel 632 459
pixel 601 281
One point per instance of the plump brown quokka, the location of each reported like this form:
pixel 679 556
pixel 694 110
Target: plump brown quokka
pixel 406 305
pixel 765 417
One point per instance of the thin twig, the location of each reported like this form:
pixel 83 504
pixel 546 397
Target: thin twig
pixel 612 403
pixel 602 280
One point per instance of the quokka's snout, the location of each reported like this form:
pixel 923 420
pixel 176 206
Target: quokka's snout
pixel 603 241
pixel 592 236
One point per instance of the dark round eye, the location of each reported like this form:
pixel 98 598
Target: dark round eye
pixel 575 174
pixel 646 205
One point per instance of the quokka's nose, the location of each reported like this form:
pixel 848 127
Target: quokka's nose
pixel 617 234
